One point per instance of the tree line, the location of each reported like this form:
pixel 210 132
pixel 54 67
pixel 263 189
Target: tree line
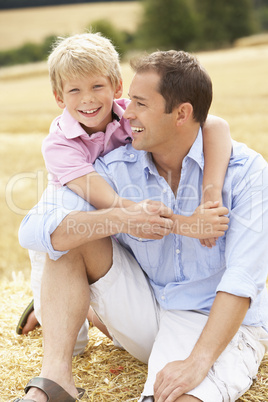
pixel 8 4
pixel 190 25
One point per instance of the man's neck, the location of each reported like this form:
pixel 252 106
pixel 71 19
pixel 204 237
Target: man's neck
pixel 169 164
pixel 171 175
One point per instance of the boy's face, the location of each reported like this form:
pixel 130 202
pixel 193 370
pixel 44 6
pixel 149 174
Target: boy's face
pixel 89 100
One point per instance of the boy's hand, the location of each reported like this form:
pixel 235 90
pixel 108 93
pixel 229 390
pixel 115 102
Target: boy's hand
pixel 211 194
pixel 212 222
pixel 211 241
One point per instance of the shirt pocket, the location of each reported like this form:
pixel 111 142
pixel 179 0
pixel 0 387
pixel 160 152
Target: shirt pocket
pixel 148 252
pixel 201 262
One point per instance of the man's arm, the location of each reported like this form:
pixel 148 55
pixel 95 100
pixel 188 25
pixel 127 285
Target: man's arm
pixel 62 220
pixel 178 377
pixel 146 219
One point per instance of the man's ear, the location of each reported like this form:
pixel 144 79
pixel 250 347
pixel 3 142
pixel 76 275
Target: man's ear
pixel 59 101
pixel 119 90
pixel 184 112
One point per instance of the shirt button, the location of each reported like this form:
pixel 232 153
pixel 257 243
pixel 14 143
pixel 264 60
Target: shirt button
pixel 165 190
pixel 140 239
pixel 178 251
pixel 163 298
pixel 131 156
pixel 240 346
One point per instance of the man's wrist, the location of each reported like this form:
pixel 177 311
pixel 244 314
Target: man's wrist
pixel 201 361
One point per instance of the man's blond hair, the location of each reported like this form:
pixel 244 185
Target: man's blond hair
pixel 82 55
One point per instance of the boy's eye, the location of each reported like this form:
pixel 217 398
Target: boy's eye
pixel 97 86
pixel 74 90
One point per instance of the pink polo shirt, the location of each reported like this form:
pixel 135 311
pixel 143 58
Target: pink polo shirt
pixel 69 151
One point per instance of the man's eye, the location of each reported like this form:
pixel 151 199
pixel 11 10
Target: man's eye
pixel 140 104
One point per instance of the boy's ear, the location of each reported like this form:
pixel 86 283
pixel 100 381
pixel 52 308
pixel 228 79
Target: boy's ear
pixel 184 112
pixel 119 90
pixel 59 101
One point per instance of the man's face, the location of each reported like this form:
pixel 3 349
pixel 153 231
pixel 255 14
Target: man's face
pixel 153 130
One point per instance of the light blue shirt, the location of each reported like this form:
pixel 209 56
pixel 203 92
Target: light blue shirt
pixel 183 274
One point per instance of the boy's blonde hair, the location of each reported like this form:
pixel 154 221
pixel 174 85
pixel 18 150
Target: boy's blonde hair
pixel 81 55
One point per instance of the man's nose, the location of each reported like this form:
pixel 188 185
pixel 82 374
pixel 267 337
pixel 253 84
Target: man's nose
pixel 129 113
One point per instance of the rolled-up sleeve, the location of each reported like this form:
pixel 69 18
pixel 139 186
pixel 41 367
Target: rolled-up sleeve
pixel 41 221
pixel 246 250
pixel 55 204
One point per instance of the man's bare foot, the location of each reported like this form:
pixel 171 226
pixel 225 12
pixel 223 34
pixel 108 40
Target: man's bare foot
pixel 31 323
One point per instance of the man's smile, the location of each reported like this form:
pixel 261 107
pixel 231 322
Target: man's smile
pixel 137 129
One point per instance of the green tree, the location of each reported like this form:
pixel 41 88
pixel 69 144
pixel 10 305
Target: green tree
pixel 119 38
pixel 223 21
pixel 27 53
pixel 167 24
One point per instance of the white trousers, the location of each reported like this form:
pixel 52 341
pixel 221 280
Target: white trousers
pixel 124 301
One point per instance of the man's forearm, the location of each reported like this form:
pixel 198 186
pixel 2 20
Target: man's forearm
pixel 180 376
pixel 226 316
pixel 78 228
pixel 147 219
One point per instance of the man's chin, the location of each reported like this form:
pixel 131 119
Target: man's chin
pixel 137 145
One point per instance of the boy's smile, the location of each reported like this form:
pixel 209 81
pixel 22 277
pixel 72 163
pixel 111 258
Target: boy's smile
pixel 89 100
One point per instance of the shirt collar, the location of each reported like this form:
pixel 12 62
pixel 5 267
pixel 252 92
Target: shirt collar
pixel 69 126
pixel 195 153
pixel 118 111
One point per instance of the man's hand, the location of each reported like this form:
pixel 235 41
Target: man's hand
pixel 177 378
pixel 147 219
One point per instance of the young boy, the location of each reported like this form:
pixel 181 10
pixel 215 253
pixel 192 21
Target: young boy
pixel 87 84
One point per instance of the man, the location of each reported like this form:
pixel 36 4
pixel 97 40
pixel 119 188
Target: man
pixel 198 316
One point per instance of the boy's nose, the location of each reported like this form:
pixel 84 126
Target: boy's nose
pixel 87 98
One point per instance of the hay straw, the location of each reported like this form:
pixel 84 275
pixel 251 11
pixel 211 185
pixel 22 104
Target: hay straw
pixel 108 374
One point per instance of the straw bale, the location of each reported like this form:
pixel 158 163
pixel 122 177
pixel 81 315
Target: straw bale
pixel 107 373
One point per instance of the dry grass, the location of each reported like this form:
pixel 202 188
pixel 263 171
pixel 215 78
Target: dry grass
pixel 253 40
pixel 34 24
pixel 240 96
pixel 108 374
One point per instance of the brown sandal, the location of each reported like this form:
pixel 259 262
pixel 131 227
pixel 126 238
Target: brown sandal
pixel 53 391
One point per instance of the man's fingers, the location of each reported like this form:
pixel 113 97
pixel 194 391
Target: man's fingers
pixel 156 207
